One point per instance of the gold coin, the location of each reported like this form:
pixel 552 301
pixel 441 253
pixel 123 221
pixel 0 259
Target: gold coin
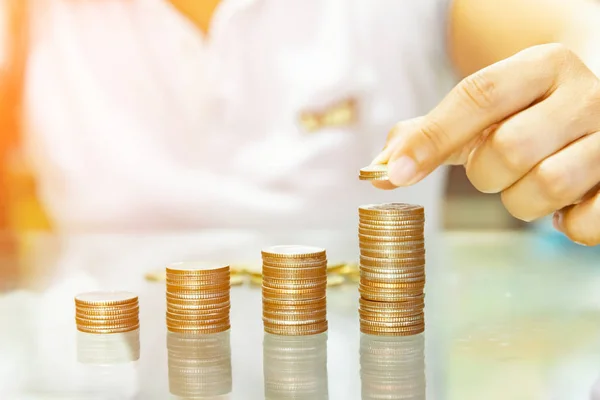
pixel 389 232
pixel 391 208
pixel 256 280
pixel 293 252
pixel 108 311
pixel 196 268
pixel 156 276
pixel 206 330
pixel 108 330
pixel 334 280
pixel 105 317
pixel 392 286
pixel 392 332
pixel 348 269
pixel 237 280
pixel 296 330
pixel 105 299
pixel 375 172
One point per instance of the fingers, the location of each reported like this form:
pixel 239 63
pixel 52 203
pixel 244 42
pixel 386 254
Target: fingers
pixel 558 181
pixel 525 139
pixel 481 100
pixel 580 222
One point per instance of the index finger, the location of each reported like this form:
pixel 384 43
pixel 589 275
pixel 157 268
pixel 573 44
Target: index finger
pixel 477 102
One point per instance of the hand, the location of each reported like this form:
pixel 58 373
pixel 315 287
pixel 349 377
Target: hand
pixel 527 127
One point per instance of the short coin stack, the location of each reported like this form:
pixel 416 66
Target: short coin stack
pixel 392 269
pixel 198 298
pixel 294 287
pixel 107 312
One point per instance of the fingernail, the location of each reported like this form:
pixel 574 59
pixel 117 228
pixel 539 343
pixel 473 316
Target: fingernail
pixel 402 171
pixel 557 221
pixel 380 159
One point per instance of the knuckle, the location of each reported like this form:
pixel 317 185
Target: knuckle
pixel 478 90
pixel 509 149
pixel 434 135
pixel 553 182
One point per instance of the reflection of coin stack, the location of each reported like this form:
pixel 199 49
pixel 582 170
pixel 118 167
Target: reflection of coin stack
pixel 108 349
pixel 199 364
pixel 392 367
pixel 293 288
pixel 107 312
pixel 197 298
pixel 295 367
pixel 392 269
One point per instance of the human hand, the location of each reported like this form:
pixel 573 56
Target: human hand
pixel 527 127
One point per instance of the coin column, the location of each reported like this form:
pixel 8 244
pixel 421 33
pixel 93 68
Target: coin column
pixel 294 287
pixel 198 298
pixel 107 312
pixel 392 269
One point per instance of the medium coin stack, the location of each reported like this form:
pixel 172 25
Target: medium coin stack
pixel 198 297
pixel 392 269
pixel 199 365
pixel 294 286
pixel 295 367
pixel 107 312
pixel 392 367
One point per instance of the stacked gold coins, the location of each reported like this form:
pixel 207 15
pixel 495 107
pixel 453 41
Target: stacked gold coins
pixel 392 367
pixel 107 312
pixel 293 287
pixel 199 365
pixel 392 269
pixel 198 297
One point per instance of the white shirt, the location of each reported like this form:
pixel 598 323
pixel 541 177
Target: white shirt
pixel 137 120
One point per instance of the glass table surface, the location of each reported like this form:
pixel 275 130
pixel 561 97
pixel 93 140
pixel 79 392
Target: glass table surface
pixel 508 316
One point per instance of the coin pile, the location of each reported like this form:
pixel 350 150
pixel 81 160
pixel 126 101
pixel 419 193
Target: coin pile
pixel 198 297
pixel 295 367
pixel 294 285
pixel 107 312
pixel 376 172
pixel 392 269
pixel 392 367
pixel 199 365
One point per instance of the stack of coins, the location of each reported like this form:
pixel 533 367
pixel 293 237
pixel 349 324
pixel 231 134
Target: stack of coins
pixel 294 287
pixel 198 297
pixel 295 367
pixel 107 312
pixel 392 269
pixel 392 367
pixel 376 172
pixel 199 365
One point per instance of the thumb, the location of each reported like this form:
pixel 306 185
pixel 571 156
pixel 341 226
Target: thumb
pixel 477 103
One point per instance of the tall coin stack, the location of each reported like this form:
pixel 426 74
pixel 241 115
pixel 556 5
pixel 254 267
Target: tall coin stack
pixel 198 298
pixel 392 269
pixel 294 287
pixel 107 312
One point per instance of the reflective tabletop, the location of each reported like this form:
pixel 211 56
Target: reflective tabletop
pixel 508 316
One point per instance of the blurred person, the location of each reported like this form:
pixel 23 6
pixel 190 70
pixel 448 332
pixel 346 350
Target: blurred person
pixel 156 114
